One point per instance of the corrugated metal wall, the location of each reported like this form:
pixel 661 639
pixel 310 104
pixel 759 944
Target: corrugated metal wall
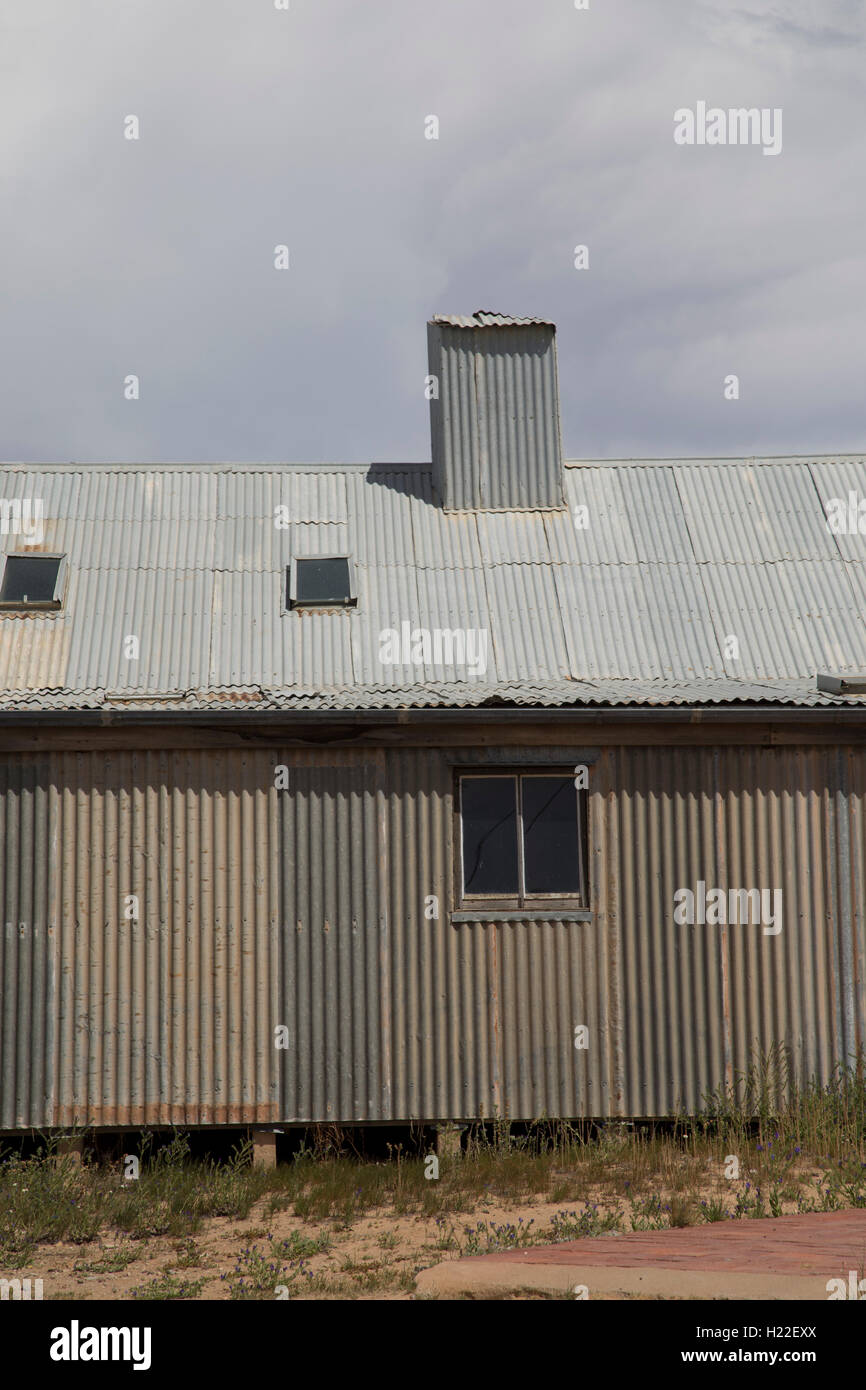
pixel 27 951
pixel 700 1005
pixel 334 980
pixel 314 908
pixel 158 894
pixel 495 424
pixel 483 1012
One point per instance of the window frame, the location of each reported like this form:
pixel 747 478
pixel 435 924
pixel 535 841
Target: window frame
pixel 523 904
pixel 293 603
pixel 52 605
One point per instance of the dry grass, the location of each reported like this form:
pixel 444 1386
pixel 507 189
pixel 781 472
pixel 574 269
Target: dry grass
pixel 332 1225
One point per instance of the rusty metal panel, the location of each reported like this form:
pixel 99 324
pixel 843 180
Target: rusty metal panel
pixel 668 983
pixel 27 965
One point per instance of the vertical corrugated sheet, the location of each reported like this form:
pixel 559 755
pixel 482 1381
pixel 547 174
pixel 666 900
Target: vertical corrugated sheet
pixel 380 516
pixel 27 967
pixel 326 907
pixel 535 642
pixel 193 564
pixel 702 1004
pixel 294 649
pixel 759 513
pixel 484 1012
pixel 653 618
pixel 495 425
pixel 792 616
pixel 335 940
pixel 842 483
pixel 595 528
pixel 166 1017
pixel 457 600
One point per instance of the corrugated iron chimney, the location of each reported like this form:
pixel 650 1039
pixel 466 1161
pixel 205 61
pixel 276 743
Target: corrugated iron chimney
pixel 494 412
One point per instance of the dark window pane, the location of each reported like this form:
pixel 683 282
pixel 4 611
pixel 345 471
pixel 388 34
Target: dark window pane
pixel 551 845
pixel 29 579
pixel 489 816
pixel 322 581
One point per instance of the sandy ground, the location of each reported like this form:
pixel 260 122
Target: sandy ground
pixel 382 1270
pixel 378 1256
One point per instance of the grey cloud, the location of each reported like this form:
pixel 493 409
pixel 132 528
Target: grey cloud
pixel 260 127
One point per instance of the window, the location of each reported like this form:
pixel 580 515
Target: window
pixel 32 581
pixel 523 839
pixel 320 581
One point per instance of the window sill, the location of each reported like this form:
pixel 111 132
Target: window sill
pixel 528 914
pixel 31 610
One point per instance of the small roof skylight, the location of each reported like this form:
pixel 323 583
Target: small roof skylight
pixel 32 581
pixel 320 581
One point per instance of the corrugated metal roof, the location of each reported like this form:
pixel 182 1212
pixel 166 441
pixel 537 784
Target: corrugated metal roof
pixel 632 601
pixel 467 694
pixel 487 318
pixel 650 620
pixel 764 514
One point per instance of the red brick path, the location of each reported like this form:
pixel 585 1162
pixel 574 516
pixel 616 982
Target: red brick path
pixel 822 1243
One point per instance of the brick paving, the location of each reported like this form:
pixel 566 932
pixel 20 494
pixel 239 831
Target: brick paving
pixel 781 1258
pixel 821 1243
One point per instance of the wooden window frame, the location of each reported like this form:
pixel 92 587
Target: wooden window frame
pixel 52 605
pixel 295 605
pixel 526 904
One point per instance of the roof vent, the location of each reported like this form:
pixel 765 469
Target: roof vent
pixel 842 685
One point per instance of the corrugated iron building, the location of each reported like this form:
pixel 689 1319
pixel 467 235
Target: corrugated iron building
pixel 251 822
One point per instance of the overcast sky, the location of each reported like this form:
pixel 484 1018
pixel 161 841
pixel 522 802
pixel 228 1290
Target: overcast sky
pixel 260 127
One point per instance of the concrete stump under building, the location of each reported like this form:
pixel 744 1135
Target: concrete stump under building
pixel 264 1148
pixel 71 1147
pixel 448 1140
